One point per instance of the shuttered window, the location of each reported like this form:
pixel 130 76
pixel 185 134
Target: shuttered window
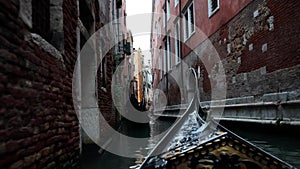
pixel 189 21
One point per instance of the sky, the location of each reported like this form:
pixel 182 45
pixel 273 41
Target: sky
pixel 139 22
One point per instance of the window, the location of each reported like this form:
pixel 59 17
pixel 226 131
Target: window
pixel 85 15
pixel 159 27
pixel 156 28
pixel 169 59
pixel 103 72
pixel 165 56
pixel 41 18
pixel 176 2
pixel 177 43
pixel 164 16
pixel 160 64
pixel 168 10
pixel 46 22
pixel 213 7
pixel 189 21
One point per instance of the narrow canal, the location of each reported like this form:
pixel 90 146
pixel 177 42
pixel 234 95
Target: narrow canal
pixel 283 143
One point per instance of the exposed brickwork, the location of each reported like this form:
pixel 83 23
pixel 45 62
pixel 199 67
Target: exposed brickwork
pixel 259 49
pixel 70 11
pixel 249 71
pixel 255 71
pixel 38 125
pixel 283 41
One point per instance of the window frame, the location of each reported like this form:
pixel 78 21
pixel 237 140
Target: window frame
pixel 41 18
pixel 191 25
pixel 159 27
pixel 211 12
pixel 164 15
pixel 165 51
pixel 51 39
pixel 168 10
pixel 176 2
pixel 160 64
pixel 169 55
pixel 156 27
pixel 177 43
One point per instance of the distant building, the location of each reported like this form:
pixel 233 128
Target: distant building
pixel 138 73
pixel 147 86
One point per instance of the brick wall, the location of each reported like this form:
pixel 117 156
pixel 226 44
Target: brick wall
pixel 259 49
pixel 263 40
pixel 38 125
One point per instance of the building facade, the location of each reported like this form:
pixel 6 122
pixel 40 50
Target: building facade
pixel 255 40
pixel 41 47
pixel 138 73
pixel 147 86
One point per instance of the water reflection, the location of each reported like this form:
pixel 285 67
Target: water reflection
pixel 282 144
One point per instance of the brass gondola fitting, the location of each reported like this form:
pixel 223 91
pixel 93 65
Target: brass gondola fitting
pixel 198 148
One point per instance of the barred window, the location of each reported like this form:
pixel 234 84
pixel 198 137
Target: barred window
pixel 41 18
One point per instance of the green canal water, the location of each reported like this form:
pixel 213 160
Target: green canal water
pixel 282 142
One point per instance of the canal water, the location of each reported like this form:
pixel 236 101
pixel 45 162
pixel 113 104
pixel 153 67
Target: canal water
pixel 281 142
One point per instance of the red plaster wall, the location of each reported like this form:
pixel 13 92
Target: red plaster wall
pixel 207 25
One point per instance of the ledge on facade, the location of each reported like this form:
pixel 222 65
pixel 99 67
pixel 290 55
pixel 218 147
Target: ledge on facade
pixel 291 97
pixel 103 89
pixel 261 121
pixel 37 39
pixel 234 108
pixel 216 105
pixel 172 107
pixel 83 29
